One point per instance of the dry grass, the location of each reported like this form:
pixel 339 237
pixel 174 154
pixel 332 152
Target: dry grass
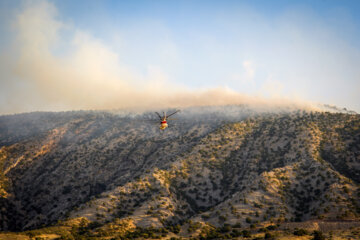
pixel 12 236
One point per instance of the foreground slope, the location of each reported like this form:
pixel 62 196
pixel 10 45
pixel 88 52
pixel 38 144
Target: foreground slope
pixel 211 170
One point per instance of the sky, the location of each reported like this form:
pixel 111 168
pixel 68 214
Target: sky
pixel 70 55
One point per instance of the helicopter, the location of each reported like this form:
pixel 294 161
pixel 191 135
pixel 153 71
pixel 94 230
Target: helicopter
pixel 164 118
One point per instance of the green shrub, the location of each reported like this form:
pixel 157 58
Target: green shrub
pixel 246 233
pixel 318 235
pixel 300 232
pixel 94 225
pixel 271 227
pixel 236 233
pixel 268 236
pixel 237 225
pixel 224 229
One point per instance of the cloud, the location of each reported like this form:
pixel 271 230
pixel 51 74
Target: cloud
pixel 249 70
pixel 55 66
pixel 246 75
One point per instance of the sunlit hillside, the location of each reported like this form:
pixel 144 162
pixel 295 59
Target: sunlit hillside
pixel 215 173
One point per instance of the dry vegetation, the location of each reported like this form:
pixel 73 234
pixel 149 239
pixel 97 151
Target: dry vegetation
pixel 104 176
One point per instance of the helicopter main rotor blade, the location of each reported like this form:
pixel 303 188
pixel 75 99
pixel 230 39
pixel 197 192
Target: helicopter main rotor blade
pixel 173 113
pixel 158 115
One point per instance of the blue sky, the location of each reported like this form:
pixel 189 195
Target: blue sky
pixel 302 50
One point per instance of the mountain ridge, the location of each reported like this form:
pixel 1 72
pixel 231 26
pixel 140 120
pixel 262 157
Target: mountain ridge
pixel 208 170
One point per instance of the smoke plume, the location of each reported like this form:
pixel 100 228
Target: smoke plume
pixel 55 66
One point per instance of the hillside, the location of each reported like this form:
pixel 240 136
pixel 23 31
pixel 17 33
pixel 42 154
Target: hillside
pixel 227 172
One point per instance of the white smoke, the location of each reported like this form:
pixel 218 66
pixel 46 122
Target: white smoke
pixel 38 73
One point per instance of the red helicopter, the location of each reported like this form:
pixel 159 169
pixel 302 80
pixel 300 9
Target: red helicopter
pixel 164 118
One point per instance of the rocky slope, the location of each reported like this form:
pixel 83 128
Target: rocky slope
pixel 213 168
